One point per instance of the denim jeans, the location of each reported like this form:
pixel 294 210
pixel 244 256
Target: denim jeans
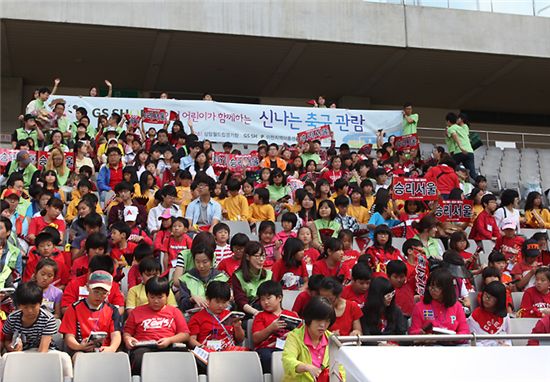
pixel 468 161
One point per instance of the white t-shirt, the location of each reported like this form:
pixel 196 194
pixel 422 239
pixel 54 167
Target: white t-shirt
pixel 503 214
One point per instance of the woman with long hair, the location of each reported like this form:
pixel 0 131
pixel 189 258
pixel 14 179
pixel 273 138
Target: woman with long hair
pixel 381 316
pixel 56 162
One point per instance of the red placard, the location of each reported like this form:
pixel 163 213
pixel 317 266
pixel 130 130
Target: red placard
pixel 406 142
pixel 414 189
pixel 155 116
pixel 7 156
pixel 133 120
pixel 455 210
pixel 236 163
pixel 320 132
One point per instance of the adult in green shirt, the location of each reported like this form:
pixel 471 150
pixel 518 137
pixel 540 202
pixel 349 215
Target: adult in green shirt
pixel 410 120
pixel 312 153
pixel 458 135
pixel 427 229
pixel 63 123
pixel 29 130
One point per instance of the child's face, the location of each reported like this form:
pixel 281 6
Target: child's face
pixel 360 286
pixel 166 223
pixel 482 185
pixel 266 236
pixel 307 203
pixel 96 252
pixel 356 198
pixel 45 248
pixel 178 229
pixel 382 238
pixel 270 303
pixel 30 311
pixel 45 276
pixel 248 189
pixel 381 179
pixel 96 296
pixel 116 236
pixel 337 255
pixel 324 211
pixel 347 242
pixel 305 235
pixel 145 276
pixel 398 280
pixel 509 233
pixel 157 301
pixel 310 189
pixel 489 302
pixel 325 188
pixel 461 245
pixel 257 199
pixel 542 283
pixel 287 226
pixel 238 252
pixel 342 210
pixel 222 236
pixel 265 175
pixel 53 212
pixel 83 210
pixel 367 190
pixel 203 263
pixel 500 265
pixel 492 206
pixel 217 305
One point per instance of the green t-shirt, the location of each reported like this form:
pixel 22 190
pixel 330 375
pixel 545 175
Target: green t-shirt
pixel 307 156
pixel 463 134
pixel 410 128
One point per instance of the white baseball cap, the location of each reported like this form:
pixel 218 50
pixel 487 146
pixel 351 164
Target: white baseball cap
pixel 130 213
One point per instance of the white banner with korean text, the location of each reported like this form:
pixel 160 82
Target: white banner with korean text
pixel 248 123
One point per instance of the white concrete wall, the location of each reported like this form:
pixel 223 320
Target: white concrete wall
pixel 349 21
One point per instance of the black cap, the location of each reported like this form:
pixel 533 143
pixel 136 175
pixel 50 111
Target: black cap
pixel 531 248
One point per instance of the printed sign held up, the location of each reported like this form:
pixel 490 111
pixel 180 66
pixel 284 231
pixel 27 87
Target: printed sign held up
pixel 319 133
pixel 455 210
pixel 414 189
pixel 236 163
pixel 406 142
pixel 156 116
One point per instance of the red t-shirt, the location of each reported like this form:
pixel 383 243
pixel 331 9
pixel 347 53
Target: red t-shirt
pixel 115 176
pixel 280 269
pixel 344 323
pixel 404 299
pixel 145 324
pixel 263 320
pixel 206 327
pixel 320 267
pixel 311 255
pixel 350 257
pixel 301 301
pixel 331 176
pixel 510 248
pixel 484 227
pixel 173 247
pixel 229 265
pixel 350 295
pixel 128 252
pixel 80 266
pixel 533 301
pixel 80 320
pixel 38 224
pixel 521 269
pixel 134 277
pixel 62 277
pixel 76 290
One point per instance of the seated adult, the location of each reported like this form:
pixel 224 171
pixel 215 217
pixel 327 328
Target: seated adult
pixel 204 212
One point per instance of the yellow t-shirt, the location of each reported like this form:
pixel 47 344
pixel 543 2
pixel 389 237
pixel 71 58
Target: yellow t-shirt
pixel 261 213
pixel 137 297
pixel 236 208
pixel 360 213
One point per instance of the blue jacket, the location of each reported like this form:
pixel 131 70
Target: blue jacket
pixel 103 179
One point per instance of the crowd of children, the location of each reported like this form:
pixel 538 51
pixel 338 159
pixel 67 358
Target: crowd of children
pixel 149 212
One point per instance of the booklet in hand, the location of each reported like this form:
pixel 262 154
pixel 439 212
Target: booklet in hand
pixel 291 322
pixel 442 330
pixel 97 338
pixel 231 317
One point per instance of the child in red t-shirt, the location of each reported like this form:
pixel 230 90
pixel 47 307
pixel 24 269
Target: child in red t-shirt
pixel 210 328
pixel 96 245
pixel 510 245
pixel 404 293
pixel 331 263
pixel 358 289
pixel 268 330
pixel 177 241
pixel 290 270
pixel 524 271
pixel 45 248
pixel 141 251
pixel 382 250
pixel 156 321
pixel 347 312
pixel 350 254
pixel 164 232
pixel 417 266
pixel 490 274
pixel 311 255
pixel 536 300
pixel 313 285
pixel 51 216
pixel 231 264
pixel 288 222
pixel 122 250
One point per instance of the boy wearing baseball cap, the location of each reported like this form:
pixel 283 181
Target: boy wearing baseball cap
pixel 92 323
pixel 524 270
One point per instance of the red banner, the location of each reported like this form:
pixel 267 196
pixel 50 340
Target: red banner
pixel 414 189
pixel 406 142
pixel 133 120
pixel 8 155
pixel 455 210
pixel 319 133
pixel 155 116
pixel 236 163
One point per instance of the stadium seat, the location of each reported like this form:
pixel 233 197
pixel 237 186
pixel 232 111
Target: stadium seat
pixel 238 227
pixel 398 242
pixel 472 296
pixel 23 367
pixel 124 281
pixel 516 300
pixel 168 367
pixel 528 232
pixel 289 296
pixel 278 227
pixel 277 371
pixel 104 367
pixel 522 326
pixel 249 342
pixel 228 366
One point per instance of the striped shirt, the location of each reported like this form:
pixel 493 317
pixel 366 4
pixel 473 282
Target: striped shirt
pixel 45 325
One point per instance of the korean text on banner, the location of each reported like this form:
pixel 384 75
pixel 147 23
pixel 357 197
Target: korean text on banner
pixel 414 189
pixel 237 163
pixel 318 133
pixel 245 123
pixel 406 142
pixel 455 210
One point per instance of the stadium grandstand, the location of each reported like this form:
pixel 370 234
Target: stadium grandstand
pixel 274 190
